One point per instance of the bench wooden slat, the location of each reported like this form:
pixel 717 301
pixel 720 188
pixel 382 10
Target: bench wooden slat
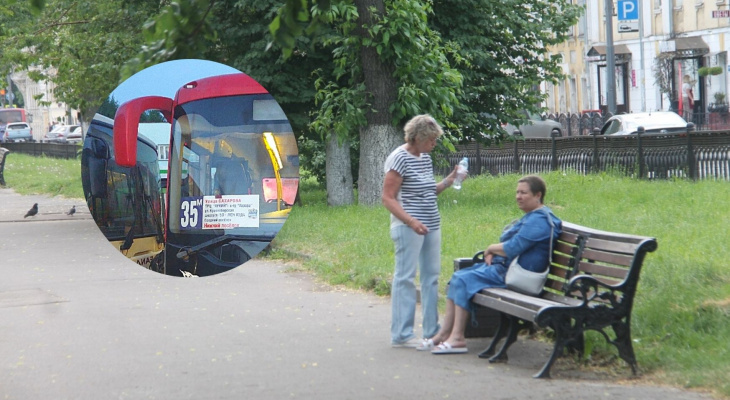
pixel 562 259
pixel 561 299
pixel 611 246
pixel 608 271
pixel 555 285
pixel 569 237
pixel 611 258
pixel 517 310
pixel 519 298
pixel 562 247
pixel 559 272
pixel 585 231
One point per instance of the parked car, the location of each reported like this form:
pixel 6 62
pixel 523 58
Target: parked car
pixel 537 127
pixel 59 134
pixel 654 123
pixel 17 132
pixel 75 136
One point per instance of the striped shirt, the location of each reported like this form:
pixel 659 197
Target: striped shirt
pixel 417 194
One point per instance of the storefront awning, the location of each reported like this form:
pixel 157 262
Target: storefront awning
pixel 601 50
pixel 598 53
pixel 688 47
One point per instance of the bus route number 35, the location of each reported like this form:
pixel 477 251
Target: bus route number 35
pixel 191 213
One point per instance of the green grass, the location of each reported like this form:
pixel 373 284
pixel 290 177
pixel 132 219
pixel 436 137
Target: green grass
pixel 680 319
pixel 43 175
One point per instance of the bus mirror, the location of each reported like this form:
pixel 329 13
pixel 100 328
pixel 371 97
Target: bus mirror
pixel 126 125
pixel 100 150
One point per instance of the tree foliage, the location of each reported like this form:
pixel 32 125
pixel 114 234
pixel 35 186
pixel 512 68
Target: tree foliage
pixel 180 30
pixel 504 44
pixel 78 45
pixel 473 64
pixel 239 37
pixel 400 36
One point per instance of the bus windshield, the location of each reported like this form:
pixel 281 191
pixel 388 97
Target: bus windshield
pixel 233 167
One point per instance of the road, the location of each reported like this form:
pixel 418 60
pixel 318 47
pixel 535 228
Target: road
pixel 79 321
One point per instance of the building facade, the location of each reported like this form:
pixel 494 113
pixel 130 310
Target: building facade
pixel 683 45
pixel 41 107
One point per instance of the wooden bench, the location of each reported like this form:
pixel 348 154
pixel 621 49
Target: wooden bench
pixel 591 286
pixel 3 153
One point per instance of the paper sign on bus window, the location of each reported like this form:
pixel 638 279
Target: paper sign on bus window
pixel 232 211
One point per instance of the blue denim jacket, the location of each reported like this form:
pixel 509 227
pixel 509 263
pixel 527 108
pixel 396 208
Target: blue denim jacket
pixel 529 238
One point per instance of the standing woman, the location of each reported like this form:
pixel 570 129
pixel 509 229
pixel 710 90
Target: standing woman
pixel 688 99
pixel 409 193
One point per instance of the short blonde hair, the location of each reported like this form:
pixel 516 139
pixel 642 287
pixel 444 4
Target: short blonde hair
pixel 422 127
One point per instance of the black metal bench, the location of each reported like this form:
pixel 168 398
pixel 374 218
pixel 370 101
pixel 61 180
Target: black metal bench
pixel 591 286
pixel 3 153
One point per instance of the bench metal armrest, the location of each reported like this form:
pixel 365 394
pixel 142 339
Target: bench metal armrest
pixel 589 289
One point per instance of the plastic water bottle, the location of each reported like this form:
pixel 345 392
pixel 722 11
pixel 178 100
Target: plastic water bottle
pixel 461 171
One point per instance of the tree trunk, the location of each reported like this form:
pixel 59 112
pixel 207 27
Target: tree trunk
pixel 376 142
pixel 379 137
pixel 338 173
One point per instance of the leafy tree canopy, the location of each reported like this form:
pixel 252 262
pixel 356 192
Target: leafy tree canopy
pixel 78 45
pixel 498 47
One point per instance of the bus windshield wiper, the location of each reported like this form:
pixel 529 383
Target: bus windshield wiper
pixel 185 253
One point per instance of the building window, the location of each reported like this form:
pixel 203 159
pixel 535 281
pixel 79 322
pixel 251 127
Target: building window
pixel 584 94
pixel 573 101
pixel 582 19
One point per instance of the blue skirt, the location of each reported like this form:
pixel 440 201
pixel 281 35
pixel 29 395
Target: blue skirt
pixel 467 282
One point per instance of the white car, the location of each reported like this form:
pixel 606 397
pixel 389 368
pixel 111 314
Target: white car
pixel 60 133
pixel 654 123
pixel 75 135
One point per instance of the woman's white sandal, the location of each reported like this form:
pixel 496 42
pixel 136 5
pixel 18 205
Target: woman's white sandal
pixel 426 345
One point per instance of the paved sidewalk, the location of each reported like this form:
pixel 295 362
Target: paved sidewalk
pixel 14 206
pixel 79 321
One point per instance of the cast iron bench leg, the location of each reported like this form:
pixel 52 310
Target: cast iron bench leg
pixel 623 344
pixel 563 335
pixel 501 333
pixel 515 326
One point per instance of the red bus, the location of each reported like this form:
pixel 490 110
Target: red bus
pixel 8 115
pixel 233 170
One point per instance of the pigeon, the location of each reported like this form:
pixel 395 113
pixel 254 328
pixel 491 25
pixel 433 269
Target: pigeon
pixel 71 211
pixel 33 211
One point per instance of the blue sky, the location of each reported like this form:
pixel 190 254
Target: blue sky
pixel 166 78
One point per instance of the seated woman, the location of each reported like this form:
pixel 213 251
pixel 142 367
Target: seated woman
pixel 529 238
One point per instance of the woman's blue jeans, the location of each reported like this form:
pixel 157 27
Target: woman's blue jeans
pixel 411 252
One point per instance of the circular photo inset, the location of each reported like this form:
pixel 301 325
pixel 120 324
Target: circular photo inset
pixel 190 168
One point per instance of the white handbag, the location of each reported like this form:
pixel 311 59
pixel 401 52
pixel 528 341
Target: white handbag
pixel 525 281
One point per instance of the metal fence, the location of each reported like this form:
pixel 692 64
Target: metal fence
pixel 694 155
pixel 56 150
pixel 580 124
